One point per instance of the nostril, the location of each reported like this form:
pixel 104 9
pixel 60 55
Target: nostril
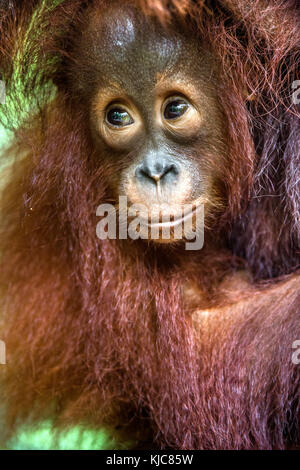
pixel 146 173
pixel 156 173
pixel 168 172
pixel 171 169
pixel 143 173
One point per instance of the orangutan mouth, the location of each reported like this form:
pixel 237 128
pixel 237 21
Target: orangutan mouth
pixel 169 220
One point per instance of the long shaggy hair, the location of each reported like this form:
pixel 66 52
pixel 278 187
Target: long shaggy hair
pixel 106 333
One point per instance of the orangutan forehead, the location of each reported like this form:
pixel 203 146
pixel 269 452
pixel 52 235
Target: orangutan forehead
pixel 130 50
pixel 123 33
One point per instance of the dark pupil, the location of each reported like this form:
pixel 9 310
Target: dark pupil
pixel 118 117
pixel 175 109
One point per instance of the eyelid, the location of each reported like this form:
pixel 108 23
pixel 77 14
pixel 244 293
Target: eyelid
pixel 116 104
pixel 176 97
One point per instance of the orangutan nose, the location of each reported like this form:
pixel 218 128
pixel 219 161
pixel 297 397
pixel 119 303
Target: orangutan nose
pixel 157 171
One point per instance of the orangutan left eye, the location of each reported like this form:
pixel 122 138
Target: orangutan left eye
pixel 175 109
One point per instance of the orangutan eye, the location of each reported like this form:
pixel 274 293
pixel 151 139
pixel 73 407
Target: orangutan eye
pixel 118 117
pixel 175 109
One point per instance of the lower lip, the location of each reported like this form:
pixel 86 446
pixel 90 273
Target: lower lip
pixel 175 222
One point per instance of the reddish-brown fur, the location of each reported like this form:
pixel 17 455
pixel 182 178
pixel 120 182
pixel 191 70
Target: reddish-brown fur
pixel 171 346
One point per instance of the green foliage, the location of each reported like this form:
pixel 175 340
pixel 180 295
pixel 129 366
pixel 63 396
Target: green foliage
pixel 43 438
